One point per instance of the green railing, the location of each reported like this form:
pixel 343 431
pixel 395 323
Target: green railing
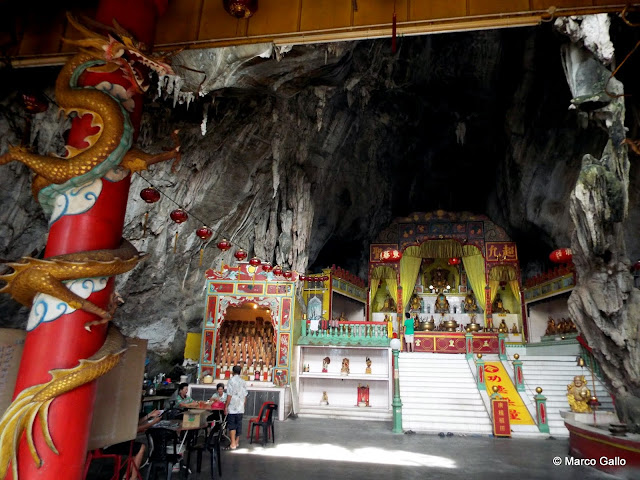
pixel 345 333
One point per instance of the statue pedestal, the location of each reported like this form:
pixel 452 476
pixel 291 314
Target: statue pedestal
pixel 602 418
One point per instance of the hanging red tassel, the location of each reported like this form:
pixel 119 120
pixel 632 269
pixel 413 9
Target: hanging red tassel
pixel 201 254
pixel 175 243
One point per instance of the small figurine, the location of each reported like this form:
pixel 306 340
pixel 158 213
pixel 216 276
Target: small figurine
pixel 345 367
pixel 578 395
pixel 514 328
pixel 551 327
pixel 368 369
pixel 325 364
pixel 325 399
pixel 502 328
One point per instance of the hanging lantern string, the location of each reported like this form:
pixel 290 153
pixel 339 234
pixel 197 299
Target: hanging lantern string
pixel 215 233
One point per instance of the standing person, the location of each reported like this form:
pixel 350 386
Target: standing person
pixel 408 331
pixel 234 406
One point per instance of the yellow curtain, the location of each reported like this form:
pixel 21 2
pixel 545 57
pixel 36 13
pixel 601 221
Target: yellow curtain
pixel 503 273
pixel 381 273
pixel 373 289
pixel 515 289
pixel 409 269
pixel 444 249
pixel 494 285
pixel 392 286
pixel 474 266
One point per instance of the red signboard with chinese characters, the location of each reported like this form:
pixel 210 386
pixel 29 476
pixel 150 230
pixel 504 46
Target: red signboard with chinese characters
pixel 500 418
pixel 501 252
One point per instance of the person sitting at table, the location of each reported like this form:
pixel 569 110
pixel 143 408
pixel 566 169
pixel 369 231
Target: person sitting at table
pixel 138 448
pixel 220 395
pixel 180 399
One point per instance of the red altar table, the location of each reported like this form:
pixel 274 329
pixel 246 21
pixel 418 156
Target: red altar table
pixel 454 342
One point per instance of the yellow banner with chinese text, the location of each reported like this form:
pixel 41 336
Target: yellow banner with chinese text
pixel 495 374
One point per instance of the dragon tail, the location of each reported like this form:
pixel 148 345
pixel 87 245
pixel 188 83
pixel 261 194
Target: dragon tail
pixel 34 401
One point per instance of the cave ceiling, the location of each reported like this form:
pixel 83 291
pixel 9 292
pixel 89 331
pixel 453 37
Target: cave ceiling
pixel 309 154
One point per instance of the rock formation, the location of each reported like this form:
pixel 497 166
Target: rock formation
pixel 308 154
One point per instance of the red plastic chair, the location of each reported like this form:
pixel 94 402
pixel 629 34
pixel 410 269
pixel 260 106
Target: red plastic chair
pixel 258 419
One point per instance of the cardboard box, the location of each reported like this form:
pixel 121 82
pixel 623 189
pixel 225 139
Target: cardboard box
pixel 194 418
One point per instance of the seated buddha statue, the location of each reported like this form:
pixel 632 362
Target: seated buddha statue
pixel 578 395
pixel 498 306
pixel 442 304
pixel 416 302
pixel 389 305
pixel 470 305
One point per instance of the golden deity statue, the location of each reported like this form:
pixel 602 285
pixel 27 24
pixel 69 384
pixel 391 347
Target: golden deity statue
pixel 470 305
pixel 416 302
pixel 551 327
pixel 579 395
pixel 440 278
pixel 442 304
pixel 389 305
pixel 514 328
pixel 498 306
pixel 502 328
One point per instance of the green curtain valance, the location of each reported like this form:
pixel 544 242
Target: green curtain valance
pixel 503 273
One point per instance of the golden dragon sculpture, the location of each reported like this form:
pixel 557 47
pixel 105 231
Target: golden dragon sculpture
pixel 109 148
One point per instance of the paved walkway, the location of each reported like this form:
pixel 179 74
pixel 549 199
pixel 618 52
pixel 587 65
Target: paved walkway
pixel 324 449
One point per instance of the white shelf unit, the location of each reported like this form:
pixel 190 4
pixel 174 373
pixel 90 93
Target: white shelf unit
pixel 342 389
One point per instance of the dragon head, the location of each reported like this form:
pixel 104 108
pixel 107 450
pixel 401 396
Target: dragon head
pixel 119 47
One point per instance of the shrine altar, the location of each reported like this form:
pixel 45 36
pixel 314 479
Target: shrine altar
pixel 456 342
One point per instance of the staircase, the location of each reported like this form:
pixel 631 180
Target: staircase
pixel 553 374
pixel 439 394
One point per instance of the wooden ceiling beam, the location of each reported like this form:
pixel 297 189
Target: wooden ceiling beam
pixel 194 24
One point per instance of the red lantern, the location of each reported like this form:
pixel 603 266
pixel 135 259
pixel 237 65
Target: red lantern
pixel 267 267
pixel 391 255
pixel 302 278
pixel 241 8
pixel 255 261
pixel 240 255
pixel 562 255
pixel 224 245
pixel 287 274
pixel 204 233
pixel 636 266
pixel 179 215
pixel 454 261
pixel 277 270
pixel 150 195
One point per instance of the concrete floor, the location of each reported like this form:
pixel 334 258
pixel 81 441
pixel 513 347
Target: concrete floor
pixel 321 449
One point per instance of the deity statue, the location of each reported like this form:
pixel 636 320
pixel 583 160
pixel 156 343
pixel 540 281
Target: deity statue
pixel 498 306
pixel 325 399
pixel 368 369
pixel 416 302
pixel 470 305
pixel 389 305
pixel 440 278
pixel 502 328
pixel 551 327
pixel 578 395
pixel 345 367
pixel 514 328
pixel 442 304
pixel 325 364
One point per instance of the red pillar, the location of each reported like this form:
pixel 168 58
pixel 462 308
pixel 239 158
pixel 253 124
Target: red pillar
pixel 63 342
